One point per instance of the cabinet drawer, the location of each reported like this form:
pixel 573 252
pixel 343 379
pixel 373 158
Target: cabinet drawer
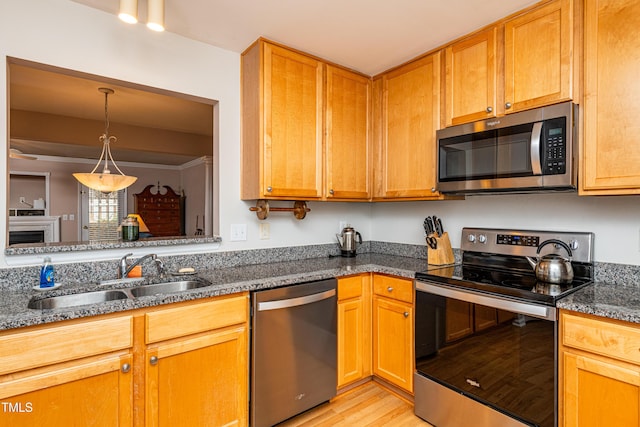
pixel 391 287
pixel 169 323
pixel 349 287
pixel 603 337
pixel 54 344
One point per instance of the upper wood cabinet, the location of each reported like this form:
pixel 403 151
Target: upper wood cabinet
pixel 538 57
pixel 407 115
pixel 282 108
pixel 523 62
pixel 287 111
pixel 347 130
pixel 610 162
pixel 470 78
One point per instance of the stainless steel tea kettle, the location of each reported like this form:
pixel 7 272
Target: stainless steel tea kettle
pixel 553 268
pixel 348 241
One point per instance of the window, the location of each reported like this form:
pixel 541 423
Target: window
pixel 103 214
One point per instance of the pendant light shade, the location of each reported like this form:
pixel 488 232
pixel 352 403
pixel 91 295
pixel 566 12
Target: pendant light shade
pixel 105 181
pixel 128 11
pixel 155 15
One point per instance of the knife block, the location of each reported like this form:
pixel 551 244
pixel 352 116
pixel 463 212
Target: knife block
pixel 443 255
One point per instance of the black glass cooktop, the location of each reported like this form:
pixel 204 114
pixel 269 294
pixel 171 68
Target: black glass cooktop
pixel 518 280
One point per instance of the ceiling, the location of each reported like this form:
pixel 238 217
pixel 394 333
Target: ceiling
pixel 367 36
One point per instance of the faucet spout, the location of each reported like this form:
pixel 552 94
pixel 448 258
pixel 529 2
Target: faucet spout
pixel 124 268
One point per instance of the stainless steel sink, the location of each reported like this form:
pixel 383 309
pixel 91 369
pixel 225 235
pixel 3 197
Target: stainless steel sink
pixel 77 299
pixel 168 287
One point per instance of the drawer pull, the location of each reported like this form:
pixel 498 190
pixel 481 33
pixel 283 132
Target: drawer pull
pixel 153 360
pixel 390 289
pixel 406 314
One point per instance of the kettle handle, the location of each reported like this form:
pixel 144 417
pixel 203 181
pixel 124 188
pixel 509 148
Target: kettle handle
pixel 557 242
pixel 359 237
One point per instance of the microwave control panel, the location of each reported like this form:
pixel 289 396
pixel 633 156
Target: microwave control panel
pixel 554 147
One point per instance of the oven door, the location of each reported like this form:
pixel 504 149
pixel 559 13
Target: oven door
pixel 483 357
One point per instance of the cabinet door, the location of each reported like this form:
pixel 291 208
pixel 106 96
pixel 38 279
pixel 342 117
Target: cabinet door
pixel 538 57
pixel 598 392
pixel 611 151
pixel 393 357
pixel 292 124
pixel 410 117
pixel 354 329
pixel 95 391
pixel 348 153
pixel 198 381
pixel 471 78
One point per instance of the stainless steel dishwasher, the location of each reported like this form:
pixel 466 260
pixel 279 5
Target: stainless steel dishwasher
pixel 293 350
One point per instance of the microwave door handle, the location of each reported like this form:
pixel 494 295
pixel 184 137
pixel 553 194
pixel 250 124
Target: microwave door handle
pixel 536 135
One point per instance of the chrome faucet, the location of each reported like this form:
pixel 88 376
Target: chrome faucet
pixel 124 268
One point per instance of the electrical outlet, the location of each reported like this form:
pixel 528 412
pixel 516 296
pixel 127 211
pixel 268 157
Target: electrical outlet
pixel 265 231
pixel 238 232
pixel 72 217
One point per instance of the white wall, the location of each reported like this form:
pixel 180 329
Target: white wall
pixel 70 35
pixel 615 220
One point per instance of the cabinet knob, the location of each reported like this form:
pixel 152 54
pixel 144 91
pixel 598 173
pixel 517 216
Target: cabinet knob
pixel 507 105
pixel 406 314
pixel 125 368
pixel 269 189
pixel 489 109
pixel 390 289
pixel 331 191
pixel 153 360
pixel 433 189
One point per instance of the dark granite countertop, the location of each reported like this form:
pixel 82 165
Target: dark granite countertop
pixel 15 314
pixel 613 301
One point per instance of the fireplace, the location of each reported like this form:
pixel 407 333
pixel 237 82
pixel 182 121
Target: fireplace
pixel 34 229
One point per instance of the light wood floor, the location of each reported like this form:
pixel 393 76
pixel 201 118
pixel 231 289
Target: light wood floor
pixel 367 405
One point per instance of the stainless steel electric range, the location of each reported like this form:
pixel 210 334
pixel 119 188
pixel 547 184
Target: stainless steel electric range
pixel 486 331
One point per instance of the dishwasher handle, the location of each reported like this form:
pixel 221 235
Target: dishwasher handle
pixel 294 302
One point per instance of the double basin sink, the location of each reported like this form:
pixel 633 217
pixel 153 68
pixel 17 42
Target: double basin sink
pixel 95 297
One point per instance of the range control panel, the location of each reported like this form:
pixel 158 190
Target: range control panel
pixel 515 239
pixel 526 242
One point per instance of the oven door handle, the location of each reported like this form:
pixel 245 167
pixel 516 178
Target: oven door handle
pixel 543 312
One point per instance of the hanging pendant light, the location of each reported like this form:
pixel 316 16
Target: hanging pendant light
pixel 128 11
pixel 155 15
pixel 105 181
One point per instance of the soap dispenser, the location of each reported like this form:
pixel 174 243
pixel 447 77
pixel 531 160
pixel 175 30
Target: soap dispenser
pixel 47 274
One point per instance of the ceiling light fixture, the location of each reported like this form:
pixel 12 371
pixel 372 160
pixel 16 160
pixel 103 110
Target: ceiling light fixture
pixel 105 181
pixel 129 11
pixel 14 153
pixel 155 15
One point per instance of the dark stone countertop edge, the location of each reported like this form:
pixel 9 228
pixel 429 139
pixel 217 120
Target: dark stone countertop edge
pixel 15 314
pixel 608 300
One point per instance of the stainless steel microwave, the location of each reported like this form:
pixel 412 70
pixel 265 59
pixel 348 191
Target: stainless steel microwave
pixel 529 151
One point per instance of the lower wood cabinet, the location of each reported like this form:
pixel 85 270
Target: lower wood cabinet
pixel 199 379
pixel 393 358
pixel 599 372
pixel 183 364
pixel 47 381
pixel 354 328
